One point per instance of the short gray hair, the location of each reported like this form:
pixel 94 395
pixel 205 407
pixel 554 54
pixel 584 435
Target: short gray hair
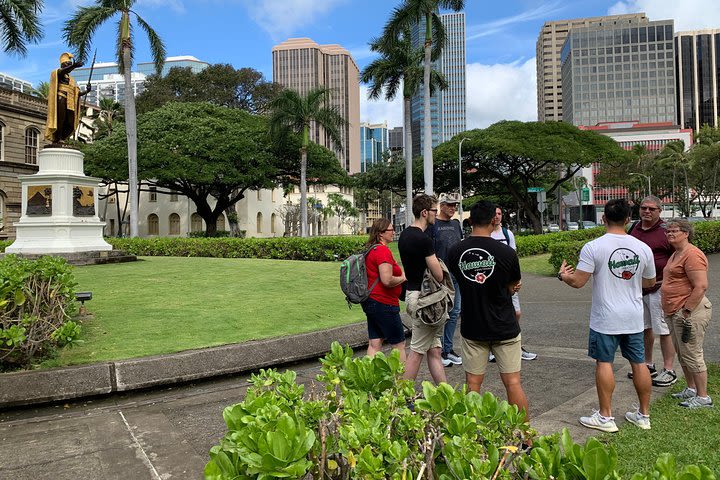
pixel 652 199
pixel 683 225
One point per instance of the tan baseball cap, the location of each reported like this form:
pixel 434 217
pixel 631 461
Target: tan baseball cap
pixel 449 198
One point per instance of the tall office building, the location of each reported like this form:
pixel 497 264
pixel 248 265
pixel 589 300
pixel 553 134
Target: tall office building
pixel 108 82
pixel 301 64
pixel 373 143
pixel 619 71
pixel 15 83
pixel 447 108
pixel 547 57
pixel 697 56
pixel 396 139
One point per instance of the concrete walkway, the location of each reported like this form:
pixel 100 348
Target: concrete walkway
pixel 166 432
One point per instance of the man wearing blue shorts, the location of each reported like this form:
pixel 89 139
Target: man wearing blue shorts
pixel 621 266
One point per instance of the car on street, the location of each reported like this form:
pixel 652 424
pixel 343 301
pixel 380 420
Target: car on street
pixel 573 226
pixel 553 227
pixel 588 224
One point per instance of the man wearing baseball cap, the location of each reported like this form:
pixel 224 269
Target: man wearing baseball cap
pixel 445 233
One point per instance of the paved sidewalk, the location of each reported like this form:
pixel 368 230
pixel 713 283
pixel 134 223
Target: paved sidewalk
pixel 166 433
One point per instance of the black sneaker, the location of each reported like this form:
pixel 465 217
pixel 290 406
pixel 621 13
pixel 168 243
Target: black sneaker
pixel 653 371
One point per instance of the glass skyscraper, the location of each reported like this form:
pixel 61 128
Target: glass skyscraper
pixel 447 108
pixel 697 55
pixel 619 71
pixel 373 143
pixel 108 81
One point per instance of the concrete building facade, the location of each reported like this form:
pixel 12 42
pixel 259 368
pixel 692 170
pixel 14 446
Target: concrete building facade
pixel 448 108
pixel 697 55
pixel 396 139
pixel 547 57
pixel 302 65
pixel 22 124
pixel 619 72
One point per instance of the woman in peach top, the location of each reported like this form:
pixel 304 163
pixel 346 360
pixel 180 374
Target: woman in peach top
pixel 687 310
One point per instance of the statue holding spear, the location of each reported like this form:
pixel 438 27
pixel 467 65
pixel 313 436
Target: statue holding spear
pixel 64 95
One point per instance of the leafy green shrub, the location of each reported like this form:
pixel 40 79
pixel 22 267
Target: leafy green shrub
pixel 364 421
pixel 288 248
pixel 707 236
pixel 203 234
pixel 36 300
pixel 569 251
pixel 4 244
pixel 537 244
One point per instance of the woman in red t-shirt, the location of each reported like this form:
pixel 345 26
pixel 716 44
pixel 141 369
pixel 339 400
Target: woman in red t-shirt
pixel 383 307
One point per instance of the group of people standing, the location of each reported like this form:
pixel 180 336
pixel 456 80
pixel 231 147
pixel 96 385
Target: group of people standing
pixel 648 281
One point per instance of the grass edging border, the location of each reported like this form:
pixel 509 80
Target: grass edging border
pixel 65 383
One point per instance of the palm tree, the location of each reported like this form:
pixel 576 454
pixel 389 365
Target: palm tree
pixel 19 24
pixel 400 63
pixel 109 112
pixel 78 32
pixel 292 111
pixel 42 90
pixel 673 155
pixel 411 13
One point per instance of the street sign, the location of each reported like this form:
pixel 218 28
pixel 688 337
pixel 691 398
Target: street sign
pixel 585 194
pixel 541 206
pixel 536 189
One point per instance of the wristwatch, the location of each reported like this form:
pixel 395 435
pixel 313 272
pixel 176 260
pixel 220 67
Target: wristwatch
pixel 559 275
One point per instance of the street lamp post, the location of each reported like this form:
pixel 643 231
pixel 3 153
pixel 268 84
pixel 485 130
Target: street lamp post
pixel 460 209
pixel 648 180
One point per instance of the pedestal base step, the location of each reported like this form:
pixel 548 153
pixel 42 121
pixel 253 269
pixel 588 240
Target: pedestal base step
pixel 94 257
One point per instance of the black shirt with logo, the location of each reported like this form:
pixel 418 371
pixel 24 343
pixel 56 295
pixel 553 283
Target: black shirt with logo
pixel 414 245
pixel 483 268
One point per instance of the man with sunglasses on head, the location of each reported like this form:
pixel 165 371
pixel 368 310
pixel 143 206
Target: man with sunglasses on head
pixel 417 254
pixel 445 233
pixel 651 231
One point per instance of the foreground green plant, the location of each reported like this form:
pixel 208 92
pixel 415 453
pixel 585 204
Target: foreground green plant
pixel 366 422
pixel 36 300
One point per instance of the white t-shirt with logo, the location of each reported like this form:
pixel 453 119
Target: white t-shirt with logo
pixel 618 264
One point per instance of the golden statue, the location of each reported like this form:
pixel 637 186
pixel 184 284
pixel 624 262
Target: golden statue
pixel 63 114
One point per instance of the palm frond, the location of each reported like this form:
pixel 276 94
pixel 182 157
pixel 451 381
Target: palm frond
pixel 78 31
pixel 123 43
pixel 20 24
pixel 157 47
pixel 439 36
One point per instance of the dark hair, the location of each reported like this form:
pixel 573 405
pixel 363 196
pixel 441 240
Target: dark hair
pixel 482 213
pixel 422 202
pixel 617 211
pixel 379 226
pixel 683 225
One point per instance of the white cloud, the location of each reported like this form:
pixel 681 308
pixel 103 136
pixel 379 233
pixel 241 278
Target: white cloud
pixel 688 14
pixel 490 28
pixel 378 111
pixel 500 92
pixel 283 17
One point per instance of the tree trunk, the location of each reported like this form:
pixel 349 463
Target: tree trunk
pixel 407 151
pixel 303 192
pixel 427 140
pixel 131 126
pixel 232 218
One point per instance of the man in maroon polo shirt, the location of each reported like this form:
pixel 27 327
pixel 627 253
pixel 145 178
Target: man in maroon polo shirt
pixel 651 230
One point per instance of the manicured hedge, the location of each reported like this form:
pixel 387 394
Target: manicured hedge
pixel 288 248
pixel 707 238
pixel 537 244
pixel 4 244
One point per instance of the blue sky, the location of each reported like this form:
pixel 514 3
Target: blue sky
pixel 500 39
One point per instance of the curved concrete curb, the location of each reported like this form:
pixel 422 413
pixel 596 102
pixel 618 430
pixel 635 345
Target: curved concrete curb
pixel 40 386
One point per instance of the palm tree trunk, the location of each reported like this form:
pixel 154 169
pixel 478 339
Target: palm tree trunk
pixel 408 161
pixel 303 192
pixel 131 125
pixel 427 141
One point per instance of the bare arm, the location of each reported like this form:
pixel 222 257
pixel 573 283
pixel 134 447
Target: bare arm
pixel 386 276
pixel 433 264
pixel 699 281
pixel 649 282
pixel 574 278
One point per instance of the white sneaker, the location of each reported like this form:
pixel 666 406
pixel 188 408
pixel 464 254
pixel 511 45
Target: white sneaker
pixel 642 421
pixel 685 393
pixel 491 358
pixel 446 361
pixel 697 402
pixel 528 355
pixel 454 357
pixel 596 421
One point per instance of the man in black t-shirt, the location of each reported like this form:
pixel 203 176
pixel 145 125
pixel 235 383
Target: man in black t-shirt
pixel 488 274
pixel 417 254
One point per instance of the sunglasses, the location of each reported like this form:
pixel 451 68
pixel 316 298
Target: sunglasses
pixel 673 231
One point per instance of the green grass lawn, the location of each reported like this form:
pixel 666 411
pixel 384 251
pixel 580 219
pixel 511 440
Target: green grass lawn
pixel 168 304
pixel 691 435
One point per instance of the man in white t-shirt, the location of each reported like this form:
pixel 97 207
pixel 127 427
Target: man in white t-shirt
pixel 502 234
pixel 621 266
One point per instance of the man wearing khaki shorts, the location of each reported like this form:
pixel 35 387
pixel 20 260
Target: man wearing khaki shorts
pixel 488 274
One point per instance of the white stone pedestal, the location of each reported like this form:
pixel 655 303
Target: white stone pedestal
pixel 59 208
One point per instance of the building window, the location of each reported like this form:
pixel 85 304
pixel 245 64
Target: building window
pixel 259 223
pixel 273 218
pixel 153 194
pixel 259 195
pixel 196 223
pixel 174 224
pixel 153 225
pixel 220 222
pixel 31 145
